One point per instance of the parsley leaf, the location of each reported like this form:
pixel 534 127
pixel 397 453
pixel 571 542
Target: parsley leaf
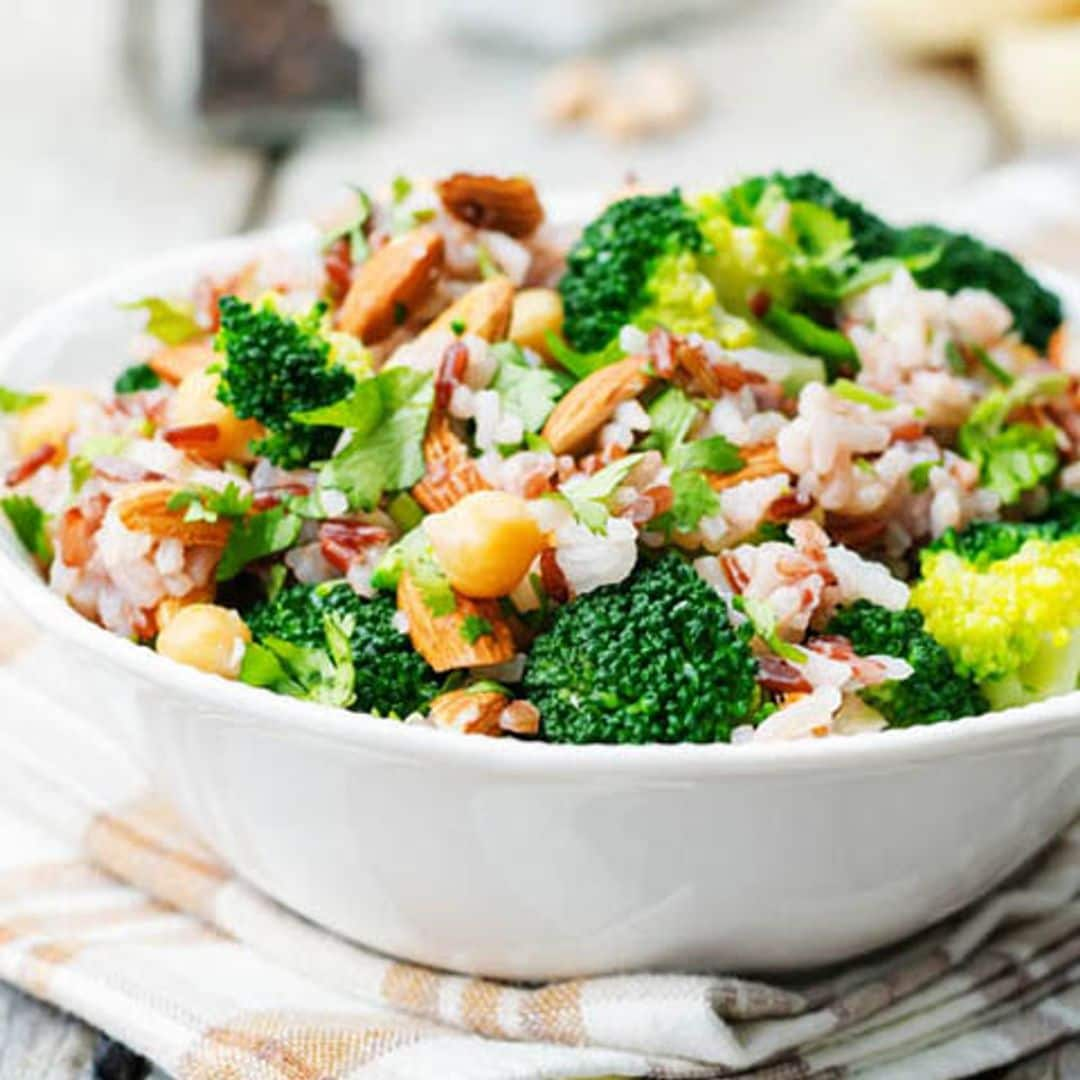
pixel 588 497
pixel 29 522
pixel 671 416
pixel 525 391
pixel 171 323
pixel 15 401
pixel 714 454
pixel 385 453
pixel 763 620
pixel 693 499
pixel 1012 458
pixel 257 536
pixel 203 503
pixel 413 554
pixel 474 627
pixel 326 676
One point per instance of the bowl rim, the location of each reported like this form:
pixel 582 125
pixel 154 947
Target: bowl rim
pixel 991 732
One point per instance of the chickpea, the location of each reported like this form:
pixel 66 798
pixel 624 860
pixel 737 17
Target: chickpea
pixel 536 311
pixel 485 543
pixel 195 402
pixel 206 637
pixel 52 421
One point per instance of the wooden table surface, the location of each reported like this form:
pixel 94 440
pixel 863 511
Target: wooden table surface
pixel 91 182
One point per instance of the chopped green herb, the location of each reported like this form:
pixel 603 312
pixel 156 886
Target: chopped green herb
pixel 862 395
pixel 693 499
pixel 474 627
pixel 458 327
pixel 763 620
pixel 170 322
pixel 955 359
pixel 486 264
pixel 714 454
pixel 526 391
pixel 995 370
pixel 355 229
pixel 257 536
pixel 80 469
pixel 15 401
pixel 30 523
pixel 202 503
pixel 135 378
pixel 413 554
pixel 919 475
pixel 406 512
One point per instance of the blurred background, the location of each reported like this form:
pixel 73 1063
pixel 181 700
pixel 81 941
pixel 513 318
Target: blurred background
pixel 129 126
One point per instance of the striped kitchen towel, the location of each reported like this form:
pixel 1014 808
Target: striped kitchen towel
pixel 110 909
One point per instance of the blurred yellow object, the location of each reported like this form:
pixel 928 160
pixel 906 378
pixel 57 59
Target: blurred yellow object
pixel 206 637
pixel 1032 72
pixel 51 421
pixel 951 27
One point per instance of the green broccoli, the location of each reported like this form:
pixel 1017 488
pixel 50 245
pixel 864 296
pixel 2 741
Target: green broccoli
pixel 1004 599
pixel 935 690
pixel 274 367
pixel 653 659
pixel 392 679
pixel 609 269
pixel 962 260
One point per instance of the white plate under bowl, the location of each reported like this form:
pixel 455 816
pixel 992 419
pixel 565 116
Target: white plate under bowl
pixel 533 861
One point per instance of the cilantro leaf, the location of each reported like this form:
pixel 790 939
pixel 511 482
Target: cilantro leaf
pixel 29 522
pixel 692 500
pixel 170 322
pixel 919 475
pixel 525 391
pixel 587 497
pixel 135 378
pixel 714 454
pixel 326 676
pixel 257 536
pixel 763 620
pixel 414 555
pixel 474 627
pixel 202 503
pixel 15 401
pixel 1012 458
pixel 581 364
pixel 385 454
pixel 671 416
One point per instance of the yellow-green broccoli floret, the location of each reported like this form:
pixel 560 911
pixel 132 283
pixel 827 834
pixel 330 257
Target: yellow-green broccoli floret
pixel 1012 623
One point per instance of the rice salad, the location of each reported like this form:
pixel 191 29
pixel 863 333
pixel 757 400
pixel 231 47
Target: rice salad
pixel 751 464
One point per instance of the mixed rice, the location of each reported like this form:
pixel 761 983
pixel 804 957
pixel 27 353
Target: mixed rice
pixel 800 422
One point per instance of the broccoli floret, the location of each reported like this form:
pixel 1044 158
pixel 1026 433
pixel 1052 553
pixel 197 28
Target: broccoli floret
pixel 1005 601
pixel 392 679
pixel 274 367
pixel 654 659
pixel 933 692
pixel 873 238
pixel 608 269
pixel 963 261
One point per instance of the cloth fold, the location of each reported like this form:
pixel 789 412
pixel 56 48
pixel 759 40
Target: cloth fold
pixel 111 909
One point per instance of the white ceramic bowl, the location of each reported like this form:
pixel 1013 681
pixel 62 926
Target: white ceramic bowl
pixel 535 861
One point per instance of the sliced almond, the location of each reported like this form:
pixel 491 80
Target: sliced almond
pixel 484 310
pixel 174 363
pixel 451 473
pixel 145 508
pixel 580 415
pixel 469 712
pixel 504 204
pixel 441 640
pixel 761 461
pixel 392 283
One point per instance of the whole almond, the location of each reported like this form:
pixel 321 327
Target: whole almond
pixel 392 283
pixel 484 310
pixel 579 416
pixel 504 204
pixel 144 508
